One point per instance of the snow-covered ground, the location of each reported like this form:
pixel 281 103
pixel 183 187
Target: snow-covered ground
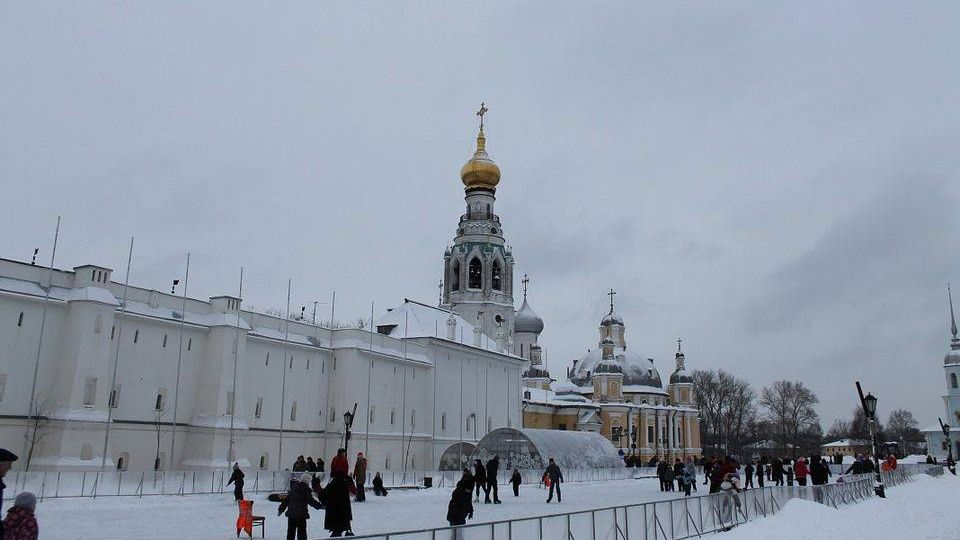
pixel 925 509
pixel 203 517
pixel 922 509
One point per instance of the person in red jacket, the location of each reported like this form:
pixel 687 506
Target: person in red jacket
pixel 801 471
pixel 20 523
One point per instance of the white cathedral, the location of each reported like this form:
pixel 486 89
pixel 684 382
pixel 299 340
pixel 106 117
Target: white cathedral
pixel 937 444
pixel 95 374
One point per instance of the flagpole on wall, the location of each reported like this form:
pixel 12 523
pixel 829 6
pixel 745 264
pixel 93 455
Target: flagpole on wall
pixel 236 359
pixel 32 408
pixel 176 389
pixel 283 387
pixel 116 357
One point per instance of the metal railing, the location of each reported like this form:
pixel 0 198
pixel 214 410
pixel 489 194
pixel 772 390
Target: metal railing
pixel 674 519
pixel 48 485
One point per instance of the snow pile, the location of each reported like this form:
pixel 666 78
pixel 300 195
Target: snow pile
pixel 922 509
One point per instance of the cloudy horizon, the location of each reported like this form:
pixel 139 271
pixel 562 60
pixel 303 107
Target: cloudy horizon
pixel 773 183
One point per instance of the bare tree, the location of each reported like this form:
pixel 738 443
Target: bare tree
pixel 727 408
pixel 789 408
pixel 36 430
pixel 902 427
pixel 839 430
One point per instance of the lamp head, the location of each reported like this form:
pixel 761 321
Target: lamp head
pixel 946 430
pixel 348 418
pixel 870 406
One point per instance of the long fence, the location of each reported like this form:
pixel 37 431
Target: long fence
pixel 674 519
pixel 47 485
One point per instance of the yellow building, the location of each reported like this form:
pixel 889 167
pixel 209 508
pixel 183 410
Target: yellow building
pixel 619 394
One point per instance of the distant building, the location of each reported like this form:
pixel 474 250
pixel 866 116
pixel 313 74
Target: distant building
pixel 846 447
pixel 619 394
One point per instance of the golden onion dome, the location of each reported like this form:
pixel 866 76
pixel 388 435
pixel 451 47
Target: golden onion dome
pixel 480 172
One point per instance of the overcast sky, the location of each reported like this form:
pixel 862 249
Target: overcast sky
pixel 776 183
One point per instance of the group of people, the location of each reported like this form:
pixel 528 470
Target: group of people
pixel 484 477
pixel 684 473
pixel 307 465
pixel 776 470
pixel 307 490
pixel 20 522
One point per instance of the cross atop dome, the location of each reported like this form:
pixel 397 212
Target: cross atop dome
pixel 525 280
pixel 483 110
pixel 611 294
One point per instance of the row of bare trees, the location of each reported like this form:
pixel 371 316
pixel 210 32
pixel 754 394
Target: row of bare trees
pixel 733 415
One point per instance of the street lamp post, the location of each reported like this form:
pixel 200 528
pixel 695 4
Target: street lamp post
pixel 347 424
pixel 951 465
pixel 869 404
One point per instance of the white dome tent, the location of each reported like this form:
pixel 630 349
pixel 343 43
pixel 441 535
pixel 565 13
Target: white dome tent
pixel 532 448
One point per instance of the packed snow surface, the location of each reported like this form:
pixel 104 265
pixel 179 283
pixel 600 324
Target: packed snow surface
pixel 921 510
pixel 924 509
pixel 203 517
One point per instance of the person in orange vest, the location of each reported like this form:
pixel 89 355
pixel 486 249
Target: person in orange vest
pixel 245 519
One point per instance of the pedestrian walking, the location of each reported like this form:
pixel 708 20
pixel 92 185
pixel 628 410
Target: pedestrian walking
pixel 689 476
pixel 748 476
pixel 707 469
pixel 789 473
pixel 360 477
pixel 479 479
pixel 515 479
pixel 556 478
pixel 6 461
pixel 662 468
pixel 236 478
pixel 678 473
pixel 492 467
pixel 296 504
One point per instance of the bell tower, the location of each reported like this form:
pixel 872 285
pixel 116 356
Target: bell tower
pixel 478 267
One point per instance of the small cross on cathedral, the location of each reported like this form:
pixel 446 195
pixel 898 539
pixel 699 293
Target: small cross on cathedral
pixel 525 280
pixel 611 294
pixel 679 341
pixel 483 110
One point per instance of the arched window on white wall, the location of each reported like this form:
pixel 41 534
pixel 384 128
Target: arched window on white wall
pixel 497 277
pixel 953 380
pixel 123 461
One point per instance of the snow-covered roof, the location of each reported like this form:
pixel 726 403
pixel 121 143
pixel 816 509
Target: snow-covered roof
pixel 415 320
pixel 637 369
pixel 845 442
pixel 30 288
pixel 531 448
pixel 540 396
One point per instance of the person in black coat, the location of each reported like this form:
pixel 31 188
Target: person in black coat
pixel 492 467
pixel 296 505
pixel 460 507
pixel 516 479
pixel 556 478
pixel 378 488
pixel 337 500
pixel 319 465
pixel 777 472
pixel 748 476
pixel 479 478
pixel 662 474
pixel 678 474
pixel 236 478
pixel 311 466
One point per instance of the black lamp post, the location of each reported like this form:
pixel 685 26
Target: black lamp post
pixel 869 404
pixel 951 466
pixel 347 424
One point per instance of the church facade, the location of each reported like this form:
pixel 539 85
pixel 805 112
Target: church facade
pixel 618 393
pixel 95 374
